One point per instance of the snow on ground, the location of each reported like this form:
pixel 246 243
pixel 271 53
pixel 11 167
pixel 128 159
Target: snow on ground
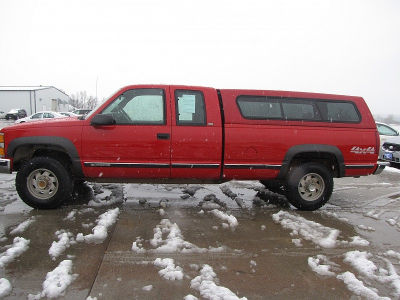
pixel 168 238
pixel 358 288
pixel 19 246
pixel 5 287
pixel 58 280
pixel 361 261
pixel 321 265
pixel 22 226
pixel 168 269
pixel 393 254
pixel 206 285
pixel 232 221
pixel 323 236
pixel 190 297
pixel 71 215
pixel 147 288
pixel 318 234
pixel 65 239
pixel 100 230
pixel 137 246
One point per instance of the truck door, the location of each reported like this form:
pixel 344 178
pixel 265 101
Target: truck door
pixel 196 145
pixel 138 144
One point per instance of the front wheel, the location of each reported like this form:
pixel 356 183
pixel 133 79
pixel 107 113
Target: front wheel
pixel 43 183
pixel 309 186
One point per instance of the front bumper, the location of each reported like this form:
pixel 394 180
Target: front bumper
pixel 5 166
pixel 381 166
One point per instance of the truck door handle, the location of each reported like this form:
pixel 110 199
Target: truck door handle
pixel 163 136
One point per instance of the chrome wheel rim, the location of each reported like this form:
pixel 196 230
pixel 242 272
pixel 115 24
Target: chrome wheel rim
pixel 42 184
pixel 311 187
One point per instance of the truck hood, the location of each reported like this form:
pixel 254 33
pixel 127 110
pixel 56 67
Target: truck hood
pixel 43 124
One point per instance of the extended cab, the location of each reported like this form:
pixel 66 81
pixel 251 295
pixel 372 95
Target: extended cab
pixel 295 143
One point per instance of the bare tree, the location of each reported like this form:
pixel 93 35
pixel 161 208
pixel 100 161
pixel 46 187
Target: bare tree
pixel 82 100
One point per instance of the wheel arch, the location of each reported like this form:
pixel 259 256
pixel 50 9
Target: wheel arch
pixel 329 155
pixel 24 148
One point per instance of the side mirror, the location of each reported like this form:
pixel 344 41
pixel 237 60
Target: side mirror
pixel 101 120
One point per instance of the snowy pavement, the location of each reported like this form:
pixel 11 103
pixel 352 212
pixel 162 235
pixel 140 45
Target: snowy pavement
pixel 230 241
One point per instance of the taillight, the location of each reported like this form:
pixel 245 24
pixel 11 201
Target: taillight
pixel 378 141
pixel 2 152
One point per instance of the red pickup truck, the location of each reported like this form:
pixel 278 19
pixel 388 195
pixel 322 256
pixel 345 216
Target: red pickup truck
pixel 293 142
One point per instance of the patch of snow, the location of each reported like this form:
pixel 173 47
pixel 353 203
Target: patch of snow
pixel 206 285
pixel 22 226
pixel 138 245
pixel 161 212
pixel 357 287
pixel 393 254
pixel 5 287
pixel 358 241
pixel 99 234
pixel 297 242
pixel 65 239
pixel 392 221
pixel 374 215
pixel 391 170
pixel 232 221
pixel 174 241
pixel 321 265
pixel 169 271
pixel 19 246
pixel 86 210
pixel 225 226
pixel 190 297
pixel 147 288
pixel 360 261
pixel 71 215
pixel 368 228
pixel 106 197
pixel 58 280
pixel 323 236
pixel 263 227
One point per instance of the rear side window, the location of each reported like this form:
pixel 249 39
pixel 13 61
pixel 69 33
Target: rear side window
pixel 190 108
pixel 297 109
pixel 339 111
pixel 259 108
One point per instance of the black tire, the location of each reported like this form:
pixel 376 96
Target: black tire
pixel 44 183
pixel 309 186
pixel 274 186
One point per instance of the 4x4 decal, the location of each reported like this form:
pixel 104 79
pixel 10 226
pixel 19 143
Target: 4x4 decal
pixel 360 150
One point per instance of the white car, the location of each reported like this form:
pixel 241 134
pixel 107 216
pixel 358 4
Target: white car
pixel 68 114
pixel 390 144
pixel 41 115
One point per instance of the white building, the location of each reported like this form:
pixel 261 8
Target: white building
pixel 33 98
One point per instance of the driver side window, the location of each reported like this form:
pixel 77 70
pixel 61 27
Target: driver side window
pixel 138 107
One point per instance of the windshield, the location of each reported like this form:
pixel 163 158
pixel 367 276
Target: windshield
pixel 97 106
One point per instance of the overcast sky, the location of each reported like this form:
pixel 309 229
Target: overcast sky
pixel 341 47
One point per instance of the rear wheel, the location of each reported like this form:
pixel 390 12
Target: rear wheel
pixel 43 183
pixel 309 186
